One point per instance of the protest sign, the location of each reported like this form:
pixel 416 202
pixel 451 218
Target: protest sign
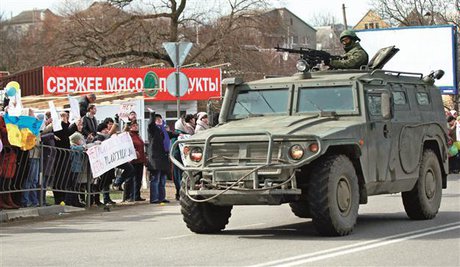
pixel 125 109
pixel 111 153
pixel 74 109
pixel 55 116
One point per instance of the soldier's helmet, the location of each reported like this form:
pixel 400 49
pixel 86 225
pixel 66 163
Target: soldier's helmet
pixel 351 34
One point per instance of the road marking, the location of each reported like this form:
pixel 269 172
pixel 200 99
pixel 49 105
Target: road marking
pixel 338 251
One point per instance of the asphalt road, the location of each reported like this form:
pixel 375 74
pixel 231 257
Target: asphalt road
pixel 153 235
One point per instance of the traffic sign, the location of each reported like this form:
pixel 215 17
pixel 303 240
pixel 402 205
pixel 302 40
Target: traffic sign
pixel 172 83
pixel 177 51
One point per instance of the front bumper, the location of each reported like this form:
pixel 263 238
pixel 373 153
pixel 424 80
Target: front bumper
pixel 268 197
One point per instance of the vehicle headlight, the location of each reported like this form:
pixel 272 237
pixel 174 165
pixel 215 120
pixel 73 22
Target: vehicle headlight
pixel 296 152
pixel 196 154
pixel 313 147
pixel 301 65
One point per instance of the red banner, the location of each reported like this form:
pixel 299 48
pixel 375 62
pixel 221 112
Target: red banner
pixel 203 83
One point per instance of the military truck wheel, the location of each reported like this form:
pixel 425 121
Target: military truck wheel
pixel 423 201
pixel 334 196
pixel 203 218
pixel 300 209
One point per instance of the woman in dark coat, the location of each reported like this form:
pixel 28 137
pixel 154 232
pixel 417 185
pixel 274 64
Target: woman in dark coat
pixel 158 163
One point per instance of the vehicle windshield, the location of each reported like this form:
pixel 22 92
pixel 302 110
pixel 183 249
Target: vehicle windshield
pixel 338 99
pixel 260 102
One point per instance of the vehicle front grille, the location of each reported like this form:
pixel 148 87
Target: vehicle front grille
pixel 244 153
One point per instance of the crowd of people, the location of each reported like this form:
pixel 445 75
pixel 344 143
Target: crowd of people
pixel 66 168
pixel 453 122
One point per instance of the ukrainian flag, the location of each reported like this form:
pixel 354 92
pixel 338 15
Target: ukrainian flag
pixel 22 131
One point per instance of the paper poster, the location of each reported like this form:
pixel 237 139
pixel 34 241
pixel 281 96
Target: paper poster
pixel 111 153
pixel 74 109
pixel 15 105
pixel 125 109
pixel 55 116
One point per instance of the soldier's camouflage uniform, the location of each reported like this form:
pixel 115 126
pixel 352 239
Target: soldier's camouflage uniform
pixel 354 58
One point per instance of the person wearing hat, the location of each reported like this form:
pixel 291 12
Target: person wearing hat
pixel 202 122
pixel 355 56
pixel 77 145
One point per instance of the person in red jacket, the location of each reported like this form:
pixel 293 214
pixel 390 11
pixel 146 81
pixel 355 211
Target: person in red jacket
pixel 138 163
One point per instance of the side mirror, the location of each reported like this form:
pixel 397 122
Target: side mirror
pixel 386 105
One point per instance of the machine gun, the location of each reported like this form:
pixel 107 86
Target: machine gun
pixel 311 56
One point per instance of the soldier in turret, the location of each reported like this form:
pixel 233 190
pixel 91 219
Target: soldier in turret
pixel 355 56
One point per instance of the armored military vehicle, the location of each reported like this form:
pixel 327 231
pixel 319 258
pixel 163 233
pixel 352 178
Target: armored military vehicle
pixel 321 141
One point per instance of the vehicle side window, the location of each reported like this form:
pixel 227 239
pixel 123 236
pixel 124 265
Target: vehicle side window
pixel 422 98
pixel 399 98
pixel 375 104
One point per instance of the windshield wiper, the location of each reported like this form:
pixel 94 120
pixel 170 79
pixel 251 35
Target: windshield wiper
pixel 266 102
pixel 245 108
pixel 314 105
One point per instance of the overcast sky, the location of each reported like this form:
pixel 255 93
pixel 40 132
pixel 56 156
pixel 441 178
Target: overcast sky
pixel 305 9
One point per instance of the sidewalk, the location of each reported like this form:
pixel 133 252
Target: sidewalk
pixel 29 213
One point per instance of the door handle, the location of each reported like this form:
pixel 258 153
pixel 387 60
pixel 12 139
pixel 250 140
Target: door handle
pixel 386 131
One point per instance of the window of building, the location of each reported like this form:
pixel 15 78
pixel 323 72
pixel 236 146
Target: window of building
pixel 295 39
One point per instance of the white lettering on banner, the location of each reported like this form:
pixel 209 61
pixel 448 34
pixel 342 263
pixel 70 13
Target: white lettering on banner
pixel 203 84
pixel 162 85
pixel 51 84
pixel 111 153
pixel 123 84
pixel 61 84
pixel 74 84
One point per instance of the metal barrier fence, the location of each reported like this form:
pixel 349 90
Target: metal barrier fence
pixel 25 176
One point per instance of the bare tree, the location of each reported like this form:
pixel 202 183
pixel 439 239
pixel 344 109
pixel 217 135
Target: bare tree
pixel 417 12
pixel 105 33
pixel 120 3
pixel 222 31
pixel 323 19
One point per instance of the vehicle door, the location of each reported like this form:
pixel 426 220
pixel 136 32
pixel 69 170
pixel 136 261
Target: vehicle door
pixel 404 117
pixel 379 136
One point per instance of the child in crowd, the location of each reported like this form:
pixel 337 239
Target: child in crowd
pixel 77 144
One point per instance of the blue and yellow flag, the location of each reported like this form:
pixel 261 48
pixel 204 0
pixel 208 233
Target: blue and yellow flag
pixel 22 131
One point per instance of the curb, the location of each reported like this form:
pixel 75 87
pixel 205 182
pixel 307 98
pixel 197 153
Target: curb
pixel 23 213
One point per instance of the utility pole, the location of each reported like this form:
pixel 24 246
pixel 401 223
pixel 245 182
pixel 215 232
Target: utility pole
pixel 344 17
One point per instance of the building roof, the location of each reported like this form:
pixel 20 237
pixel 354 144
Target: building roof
pixel 375 18
pixel 294 15
pixel 30 16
